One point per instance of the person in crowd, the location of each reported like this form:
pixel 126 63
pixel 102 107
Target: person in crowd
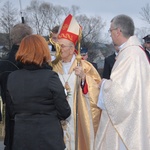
pixel 147 45
pixel 7 65
pixel 81 126
pixel 84 54
pixel 36 99
pixel 109 63
pixel 123 99
pixel 54 38
pixel 55 33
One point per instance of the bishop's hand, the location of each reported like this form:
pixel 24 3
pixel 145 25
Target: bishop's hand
pixel 80 72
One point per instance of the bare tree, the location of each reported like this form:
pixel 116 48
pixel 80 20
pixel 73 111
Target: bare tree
pixel 74 10
pixel 92 28
pixel 145 13
pixel 55 16
pixel 8 18
pixel 43 16
pixel 36 16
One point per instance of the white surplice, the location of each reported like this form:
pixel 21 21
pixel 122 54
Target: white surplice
pixel 125 100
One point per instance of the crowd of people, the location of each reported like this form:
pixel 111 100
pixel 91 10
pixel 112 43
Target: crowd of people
pixel 69 106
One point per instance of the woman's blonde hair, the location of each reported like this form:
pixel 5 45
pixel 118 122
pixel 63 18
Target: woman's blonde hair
pixel 33 49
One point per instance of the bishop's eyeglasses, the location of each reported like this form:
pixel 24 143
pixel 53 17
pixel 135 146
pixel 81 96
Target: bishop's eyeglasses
pixel 64 46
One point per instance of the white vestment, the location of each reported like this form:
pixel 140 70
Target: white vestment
pixel 125 119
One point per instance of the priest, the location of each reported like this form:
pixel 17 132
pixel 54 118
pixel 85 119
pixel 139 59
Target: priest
pixel 125 97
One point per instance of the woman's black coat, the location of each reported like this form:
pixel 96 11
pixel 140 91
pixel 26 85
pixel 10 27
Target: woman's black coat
pixel 37 106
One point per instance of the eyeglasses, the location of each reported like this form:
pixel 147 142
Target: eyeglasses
pixel 110 30
pixel 64 46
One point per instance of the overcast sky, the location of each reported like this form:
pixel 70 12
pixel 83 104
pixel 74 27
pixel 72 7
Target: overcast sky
pixel 107 9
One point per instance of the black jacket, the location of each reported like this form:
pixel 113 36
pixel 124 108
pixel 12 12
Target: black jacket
pixel 37 106
pixel 148 55
pixel 7 66
pixel 108 65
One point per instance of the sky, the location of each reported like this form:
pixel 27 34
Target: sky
pixel 106 9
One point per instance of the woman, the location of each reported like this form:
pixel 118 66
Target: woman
pixel 38 101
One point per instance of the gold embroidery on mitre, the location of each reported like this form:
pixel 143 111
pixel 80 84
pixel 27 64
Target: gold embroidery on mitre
pixel 65 26
pixel 66 36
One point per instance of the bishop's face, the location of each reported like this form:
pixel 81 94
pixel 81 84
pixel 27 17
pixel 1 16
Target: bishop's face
pixel 67 49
